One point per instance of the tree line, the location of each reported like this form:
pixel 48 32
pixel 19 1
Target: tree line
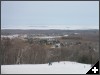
pixel 17 51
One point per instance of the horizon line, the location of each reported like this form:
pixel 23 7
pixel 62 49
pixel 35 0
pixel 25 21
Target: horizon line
pixel 49 29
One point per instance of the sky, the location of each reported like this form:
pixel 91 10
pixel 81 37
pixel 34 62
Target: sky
pixel 49 14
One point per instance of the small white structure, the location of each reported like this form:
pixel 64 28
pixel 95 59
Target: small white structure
pixel 56 46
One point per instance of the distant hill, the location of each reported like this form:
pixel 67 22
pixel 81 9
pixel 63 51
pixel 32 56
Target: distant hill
pixel 47 32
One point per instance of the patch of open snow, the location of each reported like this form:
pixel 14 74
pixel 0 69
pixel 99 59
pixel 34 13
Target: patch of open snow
pixel 47 37
pixel 76 33
pixel 64 67
pixel 9 36
pixel 65 35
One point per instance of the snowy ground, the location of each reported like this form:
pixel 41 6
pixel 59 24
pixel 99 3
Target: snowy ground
pixel 64 67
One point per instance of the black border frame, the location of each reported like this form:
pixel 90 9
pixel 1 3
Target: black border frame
pixel 47 0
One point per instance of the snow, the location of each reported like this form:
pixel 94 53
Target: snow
pixel 76 33
pixel 23 36
pixel 9 36
pixel 64 67
pixel 57 26
pixel 47 37
pixel 65 35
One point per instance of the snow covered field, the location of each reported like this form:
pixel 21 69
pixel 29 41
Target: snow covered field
pixel 64 67
pixel 47 37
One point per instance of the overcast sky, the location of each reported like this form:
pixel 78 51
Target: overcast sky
pixel 49 14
